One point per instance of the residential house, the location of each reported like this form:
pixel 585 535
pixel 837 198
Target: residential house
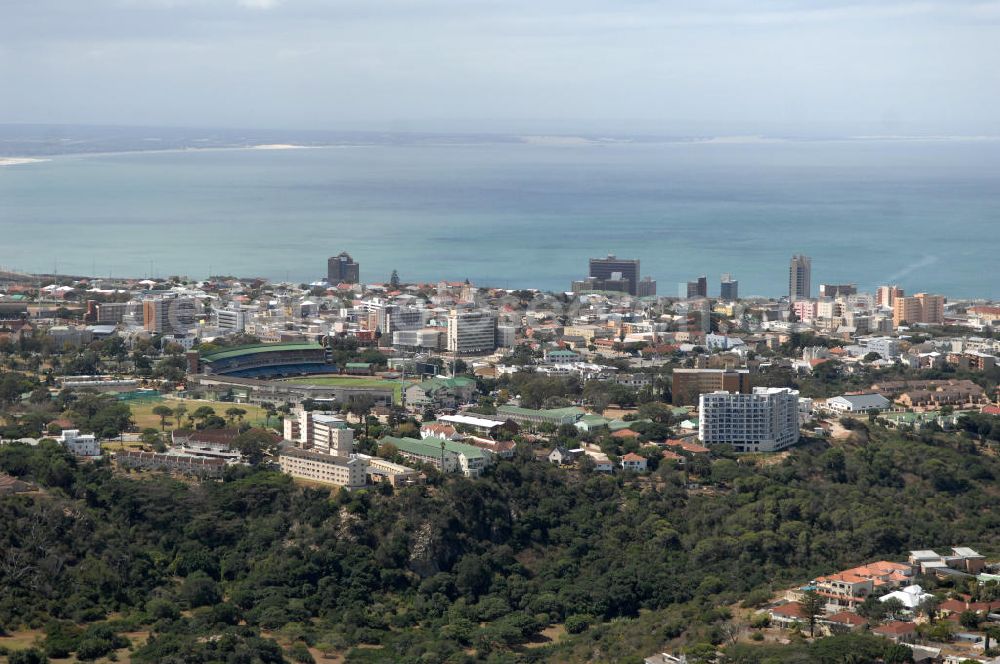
pixel 844 590
pixel 633 462
pixel 84 445
pixel 900 632
pixel 561 455
pixel 787 615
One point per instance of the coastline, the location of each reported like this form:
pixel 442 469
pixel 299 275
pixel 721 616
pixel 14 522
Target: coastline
pixel 21 161
pixel 568 141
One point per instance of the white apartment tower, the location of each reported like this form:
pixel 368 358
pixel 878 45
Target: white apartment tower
pixel 322 432
pixel 766 420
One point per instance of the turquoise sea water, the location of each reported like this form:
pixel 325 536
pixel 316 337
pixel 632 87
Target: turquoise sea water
pixel 923 214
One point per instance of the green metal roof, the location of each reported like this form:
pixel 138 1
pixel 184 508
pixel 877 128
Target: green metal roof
pixel 551 412
pixel 239 351
pixel 358 365
pixel 432 447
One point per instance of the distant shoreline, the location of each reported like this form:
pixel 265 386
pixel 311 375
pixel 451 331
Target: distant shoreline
pixel 20 161
pixel 568 141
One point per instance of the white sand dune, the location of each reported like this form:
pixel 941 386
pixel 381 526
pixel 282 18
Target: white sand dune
pixel 17 161
pixel 278 146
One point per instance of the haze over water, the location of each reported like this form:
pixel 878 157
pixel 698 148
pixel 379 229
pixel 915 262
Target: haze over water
pixel 925 214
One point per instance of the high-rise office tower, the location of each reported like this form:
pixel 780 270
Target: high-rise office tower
pixel 729 288
pixel 168 315
pixel 886 295
pixel 341 269
pixel 612 268
pixel 693 289
pixel 800 277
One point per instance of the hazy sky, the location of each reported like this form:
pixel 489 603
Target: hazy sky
pixel 698 66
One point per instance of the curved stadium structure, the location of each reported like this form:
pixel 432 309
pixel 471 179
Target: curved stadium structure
pixel 267 360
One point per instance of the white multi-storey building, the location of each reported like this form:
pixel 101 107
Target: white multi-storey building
pixel 472 331
pixel 80 444
pixel 886 347
pixel 323 432
pixel 764 421
pixel 230 319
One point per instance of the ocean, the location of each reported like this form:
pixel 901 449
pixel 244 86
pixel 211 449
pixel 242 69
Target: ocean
pixel 924 214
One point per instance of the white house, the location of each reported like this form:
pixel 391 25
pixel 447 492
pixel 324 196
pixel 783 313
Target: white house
pixel 910 596
pixel 80 444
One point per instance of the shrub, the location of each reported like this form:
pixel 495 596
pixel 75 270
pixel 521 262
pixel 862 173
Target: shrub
pixel 577 623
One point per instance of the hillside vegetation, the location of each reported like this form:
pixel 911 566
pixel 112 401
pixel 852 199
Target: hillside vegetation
pixel 466 570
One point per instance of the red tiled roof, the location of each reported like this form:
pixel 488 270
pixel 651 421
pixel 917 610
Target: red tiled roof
pixel 896 628
pixel 624 433
pixel 694 448
pixel 632 456
pixel 790 610
pixel 847 618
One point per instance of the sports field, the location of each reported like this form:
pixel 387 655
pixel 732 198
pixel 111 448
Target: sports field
pixel 143 416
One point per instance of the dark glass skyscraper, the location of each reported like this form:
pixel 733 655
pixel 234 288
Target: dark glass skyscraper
pixel 729 288
pixel 617 268
pixel 341 269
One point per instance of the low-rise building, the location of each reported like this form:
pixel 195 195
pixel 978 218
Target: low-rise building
pixel 84 445
pixel 343 471
pixel 184 464
pixel 381 470
pixel 446 455
pixel 858 403
pixel 633 462
pixel 532 418
pixel 440 392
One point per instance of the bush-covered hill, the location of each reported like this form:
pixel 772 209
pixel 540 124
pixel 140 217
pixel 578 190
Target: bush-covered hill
pixel 468 570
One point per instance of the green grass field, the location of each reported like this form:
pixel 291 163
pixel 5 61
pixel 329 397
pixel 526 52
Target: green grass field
pixel 356 381
pixel 142 412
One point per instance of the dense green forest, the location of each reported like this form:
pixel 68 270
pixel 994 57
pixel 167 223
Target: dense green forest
pixel 467 570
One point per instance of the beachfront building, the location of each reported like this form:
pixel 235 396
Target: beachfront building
pixel 766 420
pixel 616 269
pixel 341 269
pixel 799 278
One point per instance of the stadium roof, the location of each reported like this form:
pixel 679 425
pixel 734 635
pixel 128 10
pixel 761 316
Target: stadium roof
pixel 238 351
